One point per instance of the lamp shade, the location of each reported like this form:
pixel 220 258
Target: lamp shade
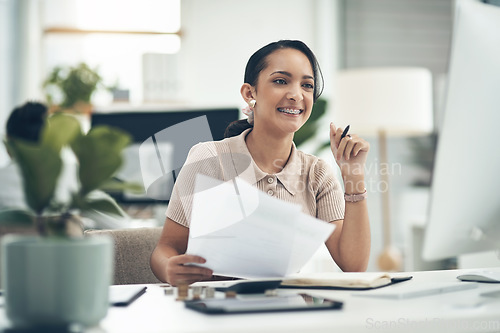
pixel 397 100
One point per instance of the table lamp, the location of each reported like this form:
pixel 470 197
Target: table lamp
pixel 385 101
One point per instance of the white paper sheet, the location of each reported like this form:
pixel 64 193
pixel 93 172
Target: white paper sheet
pixel 243 232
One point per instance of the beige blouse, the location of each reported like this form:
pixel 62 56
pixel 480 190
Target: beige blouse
pixel 305 180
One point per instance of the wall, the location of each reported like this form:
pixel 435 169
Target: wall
pixel 19 58
pixel 382 33
pixel 398 33
pixel 218 37
pixel 5 70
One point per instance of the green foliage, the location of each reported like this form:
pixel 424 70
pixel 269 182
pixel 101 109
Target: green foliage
pixel 16 217
pixel 59 132
pixel 40 167
pixel 115 185
pixel 96 153
pixel 76 84
pixel 103 204
pixel 99 154
pixel 311 126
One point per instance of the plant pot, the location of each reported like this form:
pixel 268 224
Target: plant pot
pixel 56 281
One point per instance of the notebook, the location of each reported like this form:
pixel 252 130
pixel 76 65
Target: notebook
pixel 340 280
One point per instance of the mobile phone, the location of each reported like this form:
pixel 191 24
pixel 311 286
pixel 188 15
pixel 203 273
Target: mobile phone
pixel 297 302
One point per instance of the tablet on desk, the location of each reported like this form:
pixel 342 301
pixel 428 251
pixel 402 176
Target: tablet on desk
pixel 300 302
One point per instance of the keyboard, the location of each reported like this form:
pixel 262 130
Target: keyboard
pixel 409 291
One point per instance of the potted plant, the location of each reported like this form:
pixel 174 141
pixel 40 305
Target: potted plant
pixel 59 278
pixel 75 84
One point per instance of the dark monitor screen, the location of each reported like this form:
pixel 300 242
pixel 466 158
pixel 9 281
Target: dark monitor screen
pixel 147 125
pixel 142 124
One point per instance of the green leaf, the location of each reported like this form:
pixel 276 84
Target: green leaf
pixel 79 85
pixel 304 134
pixel 114 185
pixel 311 126
pixel 106 206
pixel 54 77
pixel 60 130
pixel 40 167
pixel 98 201
pixel 16 217
pixel 100 155
pixel 76 83
pixel 319 109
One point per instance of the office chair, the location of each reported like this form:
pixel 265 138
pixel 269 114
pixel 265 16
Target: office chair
pixel 133 248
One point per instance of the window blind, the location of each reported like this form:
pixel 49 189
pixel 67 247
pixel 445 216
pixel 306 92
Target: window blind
pixel 397 33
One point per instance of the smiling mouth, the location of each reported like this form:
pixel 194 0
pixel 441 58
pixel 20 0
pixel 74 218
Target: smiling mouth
pixel 290 111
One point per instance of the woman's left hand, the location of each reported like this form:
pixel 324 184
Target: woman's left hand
pixel 350 153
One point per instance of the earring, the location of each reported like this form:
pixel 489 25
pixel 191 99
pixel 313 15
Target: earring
pixel 248 110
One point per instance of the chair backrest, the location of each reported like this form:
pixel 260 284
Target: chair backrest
pixel 133 248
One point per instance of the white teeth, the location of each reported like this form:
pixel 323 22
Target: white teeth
pixel 289 111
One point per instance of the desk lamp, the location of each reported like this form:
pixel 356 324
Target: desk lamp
pixel 385 101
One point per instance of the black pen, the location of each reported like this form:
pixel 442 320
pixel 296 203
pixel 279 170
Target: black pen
pixel 345 132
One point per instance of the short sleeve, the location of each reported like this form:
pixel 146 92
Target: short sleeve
pixel 201 159
pixel 330 204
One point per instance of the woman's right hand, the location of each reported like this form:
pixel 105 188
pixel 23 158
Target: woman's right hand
pixel 178 272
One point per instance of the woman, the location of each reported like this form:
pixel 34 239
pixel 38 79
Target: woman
pixel 282 81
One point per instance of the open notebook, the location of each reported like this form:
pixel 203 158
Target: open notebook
pixel 340 280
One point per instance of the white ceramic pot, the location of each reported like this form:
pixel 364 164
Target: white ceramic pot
pixel 56 282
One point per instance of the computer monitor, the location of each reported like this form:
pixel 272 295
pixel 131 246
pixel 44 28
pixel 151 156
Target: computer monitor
pixel 465 194
pixel 142 124
pixel 161 142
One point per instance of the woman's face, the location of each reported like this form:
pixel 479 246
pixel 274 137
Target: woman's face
pixel 284 92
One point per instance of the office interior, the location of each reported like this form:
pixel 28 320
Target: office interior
pixel 197 62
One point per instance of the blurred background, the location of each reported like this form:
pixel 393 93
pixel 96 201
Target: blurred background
pixel 191 54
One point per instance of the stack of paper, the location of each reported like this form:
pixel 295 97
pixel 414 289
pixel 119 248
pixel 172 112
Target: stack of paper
pixel 243 232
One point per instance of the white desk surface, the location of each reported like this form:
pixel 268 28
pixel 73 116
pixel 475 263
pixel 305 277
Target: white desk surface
pixel 461 311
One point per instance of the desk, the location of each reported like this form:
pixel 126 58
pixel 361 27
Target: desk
pixel 449 312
